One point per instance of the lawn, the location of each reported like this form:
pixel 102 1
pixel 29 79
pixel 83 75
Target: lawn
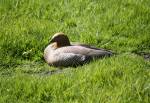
pixel 122 26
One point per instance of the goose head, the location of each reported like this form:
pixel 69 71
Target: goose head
pixel 60 40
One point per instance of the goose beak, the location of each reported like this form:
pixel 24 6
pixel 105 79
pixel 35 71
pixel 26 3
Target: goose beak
pixel 51 41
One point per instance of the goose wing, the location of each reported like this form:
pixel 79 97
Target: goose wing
pixel 85 51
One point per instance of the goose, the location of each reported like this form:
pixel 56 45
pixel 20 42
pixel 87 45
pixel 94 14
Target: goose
pixel 61 53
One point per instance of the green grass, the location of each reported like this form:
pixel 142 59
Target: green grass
pixel 121 26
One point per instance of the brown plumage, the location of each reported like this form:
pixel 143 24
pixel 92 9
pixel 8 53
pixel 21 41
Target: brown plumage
pixel 60 52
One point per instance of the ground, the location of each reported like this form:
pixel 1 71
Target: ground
pixel 121 26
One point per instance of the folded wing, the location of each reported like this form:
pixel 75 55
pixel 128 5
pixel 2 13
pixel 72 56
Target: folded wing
pixel 93 53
